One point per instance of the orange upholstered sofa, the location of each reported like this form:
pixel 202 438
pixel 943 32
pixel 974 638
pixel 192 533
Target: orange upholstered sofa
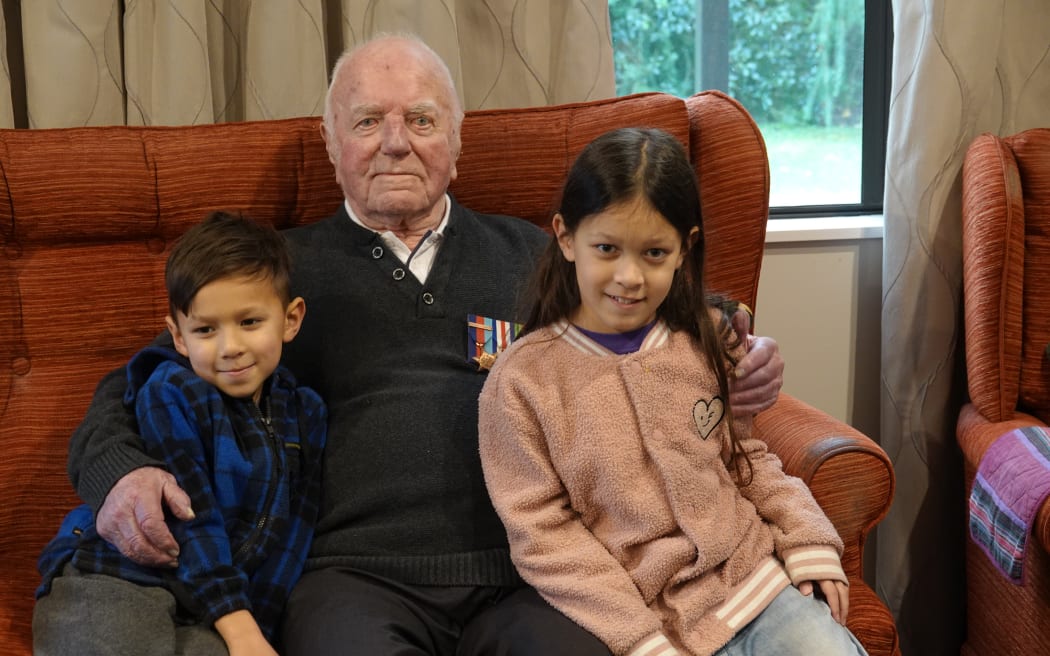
pixel 1006 283
pixel 87 216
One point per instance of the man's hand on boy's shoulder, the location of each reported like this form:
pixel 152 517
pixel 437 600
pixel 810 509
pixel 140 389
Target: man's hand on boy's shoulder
pixel 132 517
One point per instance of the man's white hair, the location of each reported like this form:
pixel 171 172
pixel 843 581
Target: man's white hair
pixel 440 69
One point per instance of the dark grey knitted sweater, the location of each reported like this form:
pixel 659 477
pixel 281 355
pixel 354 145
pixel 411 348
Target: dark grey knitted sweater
pixel 404 495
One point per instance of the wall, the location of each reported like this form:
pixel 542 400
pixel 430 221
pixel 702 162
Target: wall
pixel 820 297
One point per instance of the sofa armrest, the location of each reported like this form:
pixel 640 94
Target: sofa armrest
pixel 850 475
pixel 1041 526
pixel 975 433
pixel 852 479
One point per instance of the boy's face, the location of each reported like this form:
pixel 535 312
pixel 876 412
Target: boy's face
pixel 234 333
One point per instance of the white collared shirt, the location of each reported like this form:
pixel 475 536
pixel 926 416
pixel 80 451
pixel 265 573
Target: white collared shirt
pixel 420 260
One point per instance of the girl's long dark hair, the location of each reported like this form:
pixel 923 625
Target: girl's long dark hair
pixel 619 167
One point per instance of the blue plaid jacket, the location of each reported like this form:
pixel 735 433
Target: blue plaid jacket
pixel 253 474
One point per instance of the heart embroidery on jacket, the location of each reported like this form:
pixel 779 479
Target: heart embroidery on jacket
pixel 707 415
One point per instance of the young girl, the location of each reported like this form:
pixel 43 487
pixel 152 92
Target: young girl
pixel 633 501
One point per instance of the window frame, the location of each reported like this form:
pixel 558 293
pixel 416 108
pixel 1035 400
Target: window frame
pixel 878 67
pixel 711 68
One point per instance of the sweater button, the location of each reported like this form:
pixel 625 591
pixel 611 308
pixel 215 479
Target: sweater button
pixel 377 252
pixel 428 298
pixel 399 273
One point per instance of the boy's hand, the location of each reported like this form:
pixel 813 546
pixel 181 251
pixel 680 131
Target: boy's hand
pixel 242 635
pixel 256 646
pixel 132 518
pixel 836 593
pixel 758 377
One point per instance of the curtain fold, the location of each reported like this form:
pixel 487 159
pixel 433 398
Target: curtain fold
pixel 7 111
pixel 959 69
pixel 164 89
pixel 72 62
pixel 179 62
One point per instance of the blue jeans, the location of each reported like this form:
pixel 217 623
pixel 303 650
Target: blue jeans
pixel 794 625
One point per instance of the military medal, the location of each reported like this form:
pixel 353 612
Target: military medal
pixel 487 338
pixel 485 360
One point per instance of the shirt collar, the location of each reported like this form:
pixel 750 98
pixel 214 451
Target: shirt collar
pixel 439 230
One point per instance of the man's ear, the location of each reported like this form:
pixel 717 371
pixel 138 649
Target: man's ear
pixel 455 147
pixel 293 318
pixel 329 142
pixel 176 336
pixel 564 237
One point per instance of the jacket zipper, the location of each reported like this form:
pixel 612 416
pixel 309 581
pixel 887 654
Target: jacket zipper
pixel 271 491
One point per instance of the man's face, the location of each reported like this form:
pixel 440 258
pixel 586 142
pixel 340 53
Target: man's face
pixel 392 138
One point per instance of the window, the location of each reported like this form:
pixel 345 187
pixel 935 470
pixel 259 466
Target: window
pixel 813 73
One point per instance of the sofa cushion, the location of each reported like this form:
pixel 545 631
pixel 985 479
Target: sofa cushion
pixel 515 161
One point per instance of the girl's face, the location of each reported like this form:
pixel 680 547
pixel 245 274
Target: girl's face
pixel 626 257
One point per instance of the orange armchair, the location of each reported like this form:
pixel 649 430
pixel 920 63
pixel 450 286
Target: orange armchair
pixel 1006 283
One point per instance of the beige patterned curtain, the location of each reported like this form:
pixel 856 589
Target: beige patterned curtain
pixel 959 69
pixel 177 62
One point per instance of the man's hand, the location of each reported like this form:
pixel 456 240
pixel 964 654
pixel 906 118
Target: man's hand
pixel 132 518
pixel 836 593
pixel 756 381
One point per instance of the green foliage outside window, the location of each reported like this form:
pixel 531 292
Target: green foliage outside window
pixel 791 62
pixel 653 43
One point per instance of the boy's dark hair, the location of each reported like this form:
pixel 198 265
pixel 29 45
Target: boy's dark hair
pixel 224 245
pixel 619 167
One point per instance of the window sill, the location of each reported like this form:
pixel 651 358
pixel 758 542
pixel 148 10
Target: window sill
pixel 824 229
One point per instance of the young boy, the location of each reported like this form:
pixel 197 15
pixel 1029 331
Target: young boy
pixel 238 435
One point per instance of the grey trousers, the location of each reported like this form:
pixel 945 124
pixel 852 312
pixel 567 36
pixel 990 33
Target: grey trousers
pixel 335 611
pixel 99 615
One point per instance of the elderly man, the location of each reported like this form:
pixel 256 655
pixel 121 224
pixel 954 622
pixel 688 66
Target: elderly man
pixel 409 556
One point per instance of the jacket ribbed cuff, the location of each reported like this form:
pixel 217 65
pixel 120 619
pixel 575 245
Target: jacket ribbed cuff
pixel 814 563
pixel 655 645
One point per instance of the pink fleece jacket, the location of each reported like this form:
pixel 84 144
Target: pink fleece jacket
pixel 609 473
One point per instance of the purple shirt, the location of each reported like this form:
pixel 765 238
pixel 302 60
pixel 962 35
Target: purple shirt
pixel 621 343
